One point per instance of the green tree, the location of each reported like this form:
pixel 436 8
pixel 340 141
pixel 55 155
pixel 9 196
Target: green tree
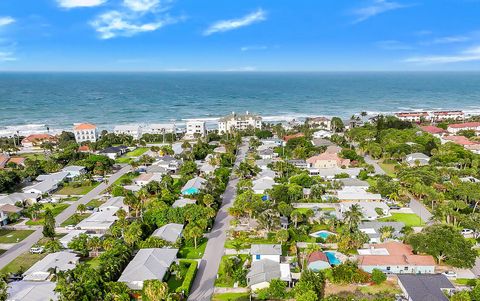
pixel 193 232
pixel 133 233
pixel 282 236
pixel 49 224
pixel 154 290
pixel 378 276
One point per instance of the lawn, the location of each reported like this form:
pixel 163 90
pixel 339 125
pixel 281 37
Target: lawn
pixel 34 156
pixel 75 219
pixel 22 262
pixel 137 152
pixel 56 210
pixel 189 251
pixel 224 280
pixel 409 219
pixel 387 286
pixel 93 262
pixel 388 168
pixel 231 297
pixel 11 236
pixel 95 203
pixel 70 190
pixel 126 160
pixel 126 177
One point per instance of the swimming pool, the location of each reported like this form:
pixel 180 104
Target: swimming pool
pixel 332 258
pixel 322 234
pixel 190 191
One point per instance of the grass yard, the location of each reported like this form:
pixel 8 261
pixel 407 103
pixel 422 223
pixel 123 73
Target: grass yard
pixel 389 168
pixel 128 176
pixel 231 297
pixel 34 156
pixel 137 152
pixel 11 236
pixel 95 203
pixel 73 220
pixel 70 190
pixel 173 283
pixel 22 262
pixel 56 210
pixel 189 252
pixel 126 160
pixel 387 286
pixel 224 280
pixel 93 262
pixel 409 219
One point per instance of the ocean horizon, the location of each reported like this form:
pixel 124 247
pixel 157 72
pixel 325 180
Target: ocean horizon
pixel 33 101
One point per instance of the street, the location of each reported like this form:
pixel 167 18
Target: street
pixel 27 243
pixel 371 161
pixel 203 286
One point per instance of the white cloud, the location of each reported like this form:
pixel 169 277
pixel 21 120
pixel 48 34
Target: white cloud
pixel 468 55
pixel 80 3
pixel 253 47
pixel 141 5
pixel 6 21
pixel 115 23
pixel 393 45
pixel 227 25
pixel 377 7
pixel 451 39
pixel 7 57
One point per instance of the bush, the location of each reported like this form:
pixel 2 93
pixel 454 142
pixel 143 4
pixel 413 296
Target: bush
pixel 378 276
pixel 189 277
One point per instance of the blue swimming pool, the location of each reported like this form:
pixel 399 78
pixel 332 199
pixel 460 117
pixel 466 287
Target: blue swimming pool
pixel 322 234
pixel 190 191
pixel 332 258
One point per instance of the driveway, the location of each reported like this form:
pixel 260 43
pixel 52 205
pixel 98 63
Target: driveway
pixel 371 161
pixel 27 243
pixel 203 286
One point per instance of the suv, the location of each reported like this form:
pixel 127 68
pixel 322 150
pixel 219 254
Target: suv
pixel 36 250
pixel 450 274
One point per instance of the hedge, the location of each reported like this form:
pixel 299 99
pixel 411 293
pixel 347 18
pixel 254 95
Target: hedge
pixel 189 277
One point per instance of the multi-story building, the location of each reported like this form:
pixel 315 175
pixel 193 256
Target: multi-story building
pixel 195 128
pixel 457 127
pixel 133 130
pixel 85 132
pixel 239 122
pixel 160 128
pixel 439 116
pixel 413 116
pixel 322 122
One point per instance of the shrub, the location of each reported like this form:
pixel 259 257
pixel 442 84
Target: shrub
pixel 378 276
pixel 189 277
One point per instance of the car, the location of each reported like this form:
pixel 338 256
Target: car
pixel 70 227
pixel 450 274
pixel 394 207
pixel 466 231
pixel 37 250
pixel 90 208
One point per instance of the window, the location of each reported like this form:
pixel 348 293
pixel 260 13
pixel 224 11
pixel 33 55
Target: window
pixel 388 268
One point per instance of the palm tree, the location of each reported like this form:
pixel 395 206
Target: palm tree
pixel 81 208
pixel 193 232
pixel 353 217
pixel 94 244
pixel 154 290
pixel 386 232
pixel 237 245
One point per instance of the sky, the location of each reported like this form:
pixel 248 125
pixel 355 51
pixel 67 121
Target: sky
pixel 241 35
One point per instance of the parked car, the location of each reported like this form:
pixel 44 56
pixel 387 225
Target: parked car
pixel 37 250
pixel 466 231
pixel 394 207
pixel 450 274
pixel 70 227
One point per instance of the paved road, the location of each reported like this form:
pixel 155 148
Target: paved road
pixel 419 209
pixel 203 286
pixel 476 267
pixel 371 161
pixel 28 242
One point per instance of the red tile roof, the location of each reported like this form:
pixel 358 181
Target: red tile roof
pixel 17 160
pixel 317 256
pixel 399 254
pixel 464 125
pixel 38 138
pixel 297 135
pixel 432 129
pixel 84 126
pixel 461 140
pixel 84 148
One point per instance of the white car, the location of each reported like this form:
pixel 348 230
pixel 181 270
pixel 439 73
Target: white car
pixel 450 274
pixel 70 227
pixel 466 231
pixel 36 250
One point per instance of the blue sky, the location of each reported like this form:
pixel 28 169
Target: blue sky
pixel 242 35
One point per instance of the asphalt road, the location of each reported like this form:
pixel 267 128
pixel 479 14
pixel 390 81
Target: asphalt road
pixel 371 161
pixel 27 243
pixel 203 286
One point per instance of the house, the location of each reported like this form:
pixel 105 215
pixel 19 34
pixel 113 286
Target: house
pixel 220 149
pixel 239 122
pixel 98 222
pixel 290 137
pixel 431 129
pixel 262 184
pixel 41 270
pixel 266 251
pixel 155 169
pixel 195 128
pixel 439 116
pixel 395 258
pixel 318 261
pixel 148 264
pixel 353 183
pixel 330 173
pixel 327 160
pixel 333 149
pixel 160 128
pixel 359 194
pixel 370 209
pixel 18 161
pixel 417 159
pixel 145 178
pixel 267 173
pixel 460 140
pixel 322 134
pixel 319 142
pixel 457 127
pixel 372 229
pixel 54 177
pixel 74 171
pixel 183 202
pixel 322 122
pixel 36 140
pixel 169 232
pixel 44 187
pixel 284 222
pixel 4 160
pixel 19 197
pixel 31 291
pixel 425 287
pixel 193 186
pixel 84 149
pixel 298 163
pixel 5 211
pixel 272 142
pixel 133 130
pixel 207 169
pixel 85 132
pixel 114 204
pixel 169 163
pixel 263 163
pixel 413 116
pixel 113 152
pixel 65 240
pixel 267 154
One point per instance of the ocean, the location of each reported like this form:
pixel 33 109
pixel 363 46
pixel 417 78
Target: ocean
pixel 31 102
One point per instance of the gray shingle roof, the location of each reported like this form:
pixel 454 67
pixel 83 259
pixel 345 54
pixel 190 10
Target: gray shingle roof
pixel 425 287
pixel 377 225
pixel 169 232
pixel 266 249
pixel 263 271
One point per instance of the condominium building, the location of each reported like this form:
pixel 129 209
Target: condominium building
pixel 133 130
pixel 160 128
pixel 195 128
pixel 85 132
pixel 239 122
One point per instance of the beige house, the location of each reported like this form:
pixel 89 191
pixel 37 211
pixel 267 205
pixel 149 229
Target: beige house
pixel 327 160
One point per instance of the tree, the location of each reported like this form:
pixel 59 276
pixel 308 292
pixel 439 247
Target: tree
pixel 133 233
pixel 79 244
pixel 94 244
pixel 378 276
pixel 337 124
pixel 154 290
pixel 81 208
pixel 444 243
pixel 282 236
pixel 49 224
pixel 3 290
pixel 117 291
pixel 306 296
pixel 208 200
pixel 386 232
pixel 237 245
pixel 353 217
pixel 193 232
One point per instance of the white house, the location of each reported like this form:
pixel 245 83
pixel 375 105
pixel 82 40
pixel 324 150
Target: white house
pixel 31 291
pixel 266 251
pixel 413 116
pixel 262 184
pixel 145 178
pixel 322 122
pixel 62 261
pixel 74 171
pixel 457 127
pixel 266 266
pixel 134 130
pixel 169 232
pixel 24 198
pixel 42 188
pixel 239 122
pixel 195 128
pixel 417 158
pixel 85 132
pixel 160 128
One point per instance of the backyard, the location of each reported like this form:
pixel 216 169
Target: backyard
pixel 388 168
pixel 409 219
pixel 56 210
pixel 188 251
pixel 69 189
pixel 75 219
pixel 231 297
pixel 13 236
